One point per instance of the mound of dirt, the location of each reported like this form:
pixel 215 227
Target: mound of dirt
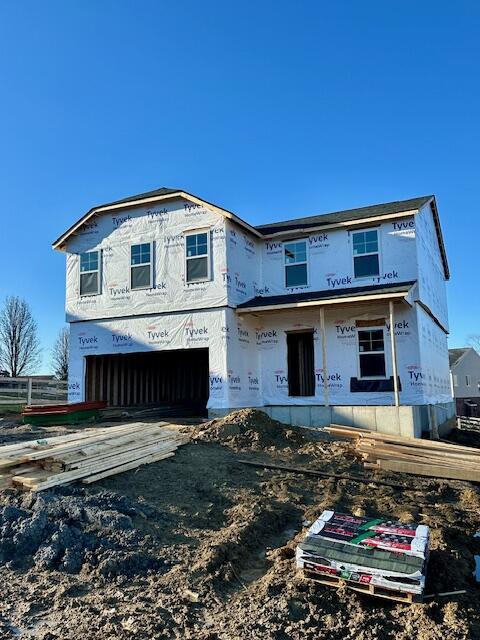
pixel 249 429
pixel 71 530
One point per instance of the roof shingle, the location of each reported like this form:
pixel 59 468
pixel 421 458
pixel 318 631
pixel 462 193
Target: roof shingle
pixel 336 217
pixel 313 296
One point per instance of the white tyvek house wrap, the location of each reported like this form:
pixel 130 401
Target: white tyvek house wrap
pixel 243 362
pixel 331 259
pixel 248 353
pixel 244 261
pixel 431 276
pixel 342 355
pixel 164 226
pixel 154 333
pixel 435 370
pixel 248 356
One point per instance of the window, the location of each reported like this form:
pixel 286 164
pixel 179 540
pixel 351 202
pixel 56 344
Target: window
pixel 371 354
pixel 89 273
pixel 365 253
pixel 141 266
pixel 197 257
pixel 467 380
pixel 301 368
pixel 295 263
pixel 455 381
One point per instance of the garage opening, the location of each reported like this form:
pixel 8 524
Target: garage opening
pixel 178 379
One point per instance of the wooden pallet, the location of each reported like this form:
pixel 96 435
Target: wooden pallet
pixel 361 587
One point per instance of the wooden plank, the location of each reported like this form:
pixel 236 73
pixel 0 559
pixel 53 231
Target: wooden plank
pixel 84 433
pixel 436 456
pixel 97 446
pixel 131 453
pixel 75 460
pixel 422 460
pixel 127 467
pixel 367 588
pixel 430 470
pixel 76 474
pixel 67 448
pixel 44 452
pixel 414 442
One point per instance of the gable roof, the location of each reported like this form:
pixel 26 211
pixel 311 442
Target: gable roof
pixel 455 355
pixel 163 193
pixel 348 215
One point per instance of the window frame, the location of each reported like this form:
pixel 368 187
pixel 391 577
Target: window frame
pixel 98 271
pixel 142 264
pixel 208 255
pixel 291 264
pixel 359 353
pixel 371 253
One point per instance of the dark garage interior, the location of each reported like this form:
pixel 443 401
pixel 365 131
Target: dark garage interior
pixel 177 378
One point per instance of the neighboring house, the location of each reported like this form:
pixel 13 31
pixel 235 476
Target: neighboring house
pixel 465 372
pixel 172 299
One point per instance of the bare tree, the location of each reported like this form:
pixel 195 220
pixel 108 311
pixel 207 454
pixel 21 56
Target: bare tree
pixel 474 341
pixel 19 343
pixel 60 351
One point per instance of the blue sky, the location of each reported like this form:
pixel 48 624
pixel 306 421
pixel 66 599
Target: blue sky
pixel 272 109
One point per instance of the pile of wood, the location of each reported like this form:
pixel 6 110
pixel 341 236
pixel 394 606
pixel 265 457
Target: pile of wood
pixel 412 455
pixel 87 455
pixel 469 423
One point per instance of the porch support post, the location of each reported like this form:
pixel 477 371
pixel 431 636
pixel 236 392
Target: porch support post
pixel 393 344
pixel 324 356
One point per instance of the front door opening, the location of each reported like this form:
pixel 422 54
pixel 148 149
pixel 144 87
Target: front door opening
pixel 301 363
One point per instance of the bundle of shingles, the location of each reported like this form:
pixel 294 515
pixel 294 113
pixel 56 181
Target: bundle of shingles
pixel 377 556
pixel 412 455
pixel 87 455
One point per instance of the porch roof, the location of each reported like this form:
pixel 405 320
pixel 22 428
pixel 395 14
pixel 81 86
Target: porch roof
pixel 319 298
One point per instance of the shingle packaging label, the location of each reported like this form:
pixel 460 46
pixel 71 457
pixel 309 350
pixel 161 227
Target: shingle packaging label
pixel 374 551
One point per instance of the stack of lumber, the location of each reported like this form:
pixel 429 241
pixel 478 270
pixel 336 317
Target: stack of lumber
pixel 63 413
pixel 412 455
pixel 464 422
pixel 87 455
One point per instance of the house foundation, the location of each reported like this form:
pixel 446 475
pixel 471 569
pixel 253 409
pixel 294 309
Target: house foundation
pixel 408 421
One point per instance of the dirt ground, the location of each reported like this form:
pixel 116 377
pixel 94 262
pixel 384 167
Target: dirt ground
pixel 201 546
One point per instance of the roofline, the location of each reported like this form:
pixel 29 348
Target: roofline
pixel 326 301
pixel 467 349
pixel 425 198
pixel 60 241
pixel 436 219
pixel 337 225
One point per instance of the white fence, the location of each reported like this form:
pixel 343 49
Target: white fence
pixel 32 391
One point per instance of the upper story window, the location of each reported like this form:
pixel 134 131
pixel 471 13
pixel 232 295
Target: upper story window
pixel 296 264
pixel 371 353
pixel 366 259
pixel 467 380
pixel 141 266
pixel 90 273
pixel 197 256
